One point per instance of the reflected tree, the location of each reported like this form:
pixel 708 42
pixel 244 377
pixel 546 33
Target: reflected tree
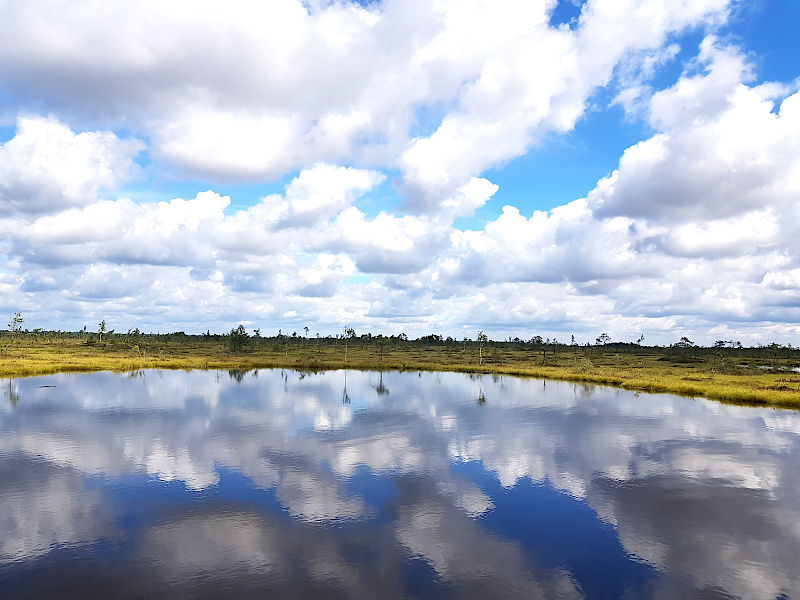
pixel 481 397
pixel 11 393
pixel 237 375
pixel 345 395
pixel 380 388
pixel 285 377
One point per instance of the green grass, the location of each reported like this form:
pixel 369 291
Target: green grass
pixel 714 376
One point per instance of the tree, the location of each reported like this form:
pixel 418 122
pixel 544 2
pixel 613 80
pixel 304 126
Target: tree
pixel 603 339
pixel 237 338
pixel 15 326
pixel 774 349
pixel 306 330
pixel 349 333
pixel 101 329
pixel 685 345
pixel 382 343
pixel 482 339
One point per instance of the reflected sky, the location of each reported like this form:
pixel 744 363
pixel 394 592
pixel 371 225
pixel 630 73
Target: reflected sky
pixel 392 485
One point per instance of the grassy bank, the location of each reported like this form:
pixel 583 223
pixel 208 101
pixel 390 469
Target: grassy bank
pixel 741 378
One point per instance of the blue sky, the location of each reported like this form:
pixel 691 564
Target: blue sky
pixel 523 168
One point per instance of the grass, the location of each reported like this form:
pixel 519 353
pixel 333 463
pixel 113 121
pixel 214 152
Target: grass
pixel 749 380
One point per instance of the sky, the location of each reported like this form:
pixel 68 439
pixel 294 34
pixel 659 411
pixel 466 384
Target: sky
pixel 535 167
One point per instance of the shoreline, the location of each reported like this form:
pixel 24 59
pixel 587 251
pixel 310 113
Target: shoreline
pixel 645 371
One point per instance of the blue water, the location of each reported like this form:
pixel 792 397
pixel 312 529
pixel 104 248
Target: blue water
pixel 164 484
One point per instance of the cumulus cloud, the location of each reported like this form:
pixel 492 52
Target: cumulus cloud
pixel 282 86
pixel 46 167
pixel 537 79
pixel 123 232
pixel 323 191
pixel 226 145
pixel 704 210
pixel 721 149
pixel 717 184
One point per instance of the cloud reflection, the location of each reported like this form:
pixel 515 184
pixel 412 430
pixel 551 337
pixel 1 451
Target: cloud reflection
pixel 701 492
pixel 42 508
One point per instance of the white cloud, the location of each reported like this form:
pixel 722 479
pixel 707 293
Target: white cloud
pixel 324 190
pixel 47 167
pixel 122 232
pixel 281 87
pixel 227 145
pixel 727 237
pixel 721 150
pixel 703 212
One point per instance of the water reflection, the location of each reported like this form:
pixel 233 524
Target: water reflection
pixel 345 395
pixel 191 483
pixel 381 388
pixel 10 392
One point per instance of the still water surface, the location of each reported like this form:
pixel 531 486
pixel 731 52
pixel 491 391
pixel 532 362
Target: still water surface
pixel 280 484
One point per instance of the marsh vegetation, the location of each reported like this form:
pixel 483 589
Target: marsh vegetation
pixel 727 371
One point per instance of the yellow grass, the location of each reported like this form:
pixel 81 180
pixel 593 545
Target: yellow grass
pixel 715 377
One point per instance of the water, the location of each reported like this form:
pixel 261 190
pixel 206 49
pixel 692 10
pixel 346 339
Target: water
pixel 402 485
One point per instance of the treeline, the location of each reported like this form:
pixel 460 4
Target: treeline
pixel 240 339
